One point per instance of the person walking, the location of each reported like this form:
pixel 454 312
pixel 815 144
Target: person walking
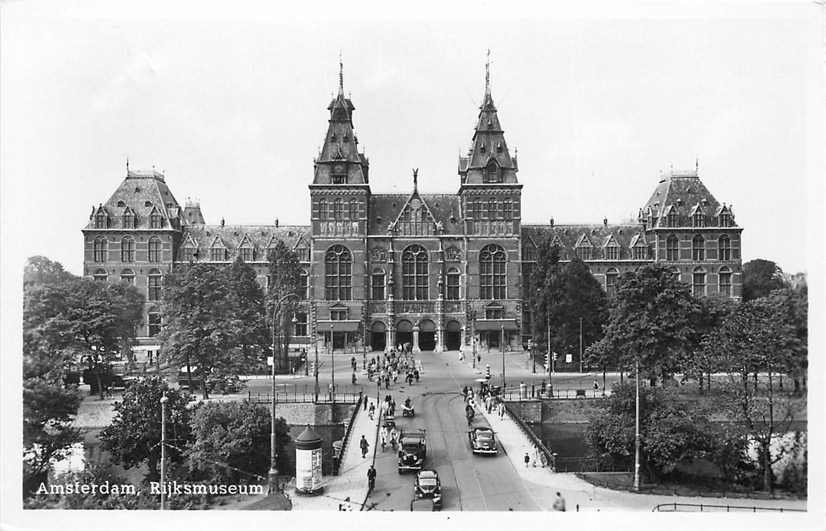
pixel 354 378
pixel 372 411
pixel 528 460
pixel 383 438
pixel 364 446
pixel 559 503
pixel 371 478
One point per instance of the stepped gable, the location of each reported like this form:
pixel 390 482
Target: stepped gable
pixel 626 235
pixel 683 193
pixel 260 236
pixel 386 209
pixel 141 192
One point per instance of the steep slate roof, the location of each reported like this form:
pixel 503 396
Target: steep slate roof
pixel 681 192
pixel 231 236
pixel 136 190
pixel 386 208
pixel 488 144
pixel 625 235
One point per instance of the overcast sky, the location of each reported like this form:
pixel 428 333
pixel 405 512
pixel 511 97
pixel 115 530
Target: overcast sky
pixel 233 107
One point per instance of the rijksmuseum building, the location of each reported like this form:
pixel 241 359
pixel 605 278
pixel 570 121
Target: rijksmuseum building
pixel 428 269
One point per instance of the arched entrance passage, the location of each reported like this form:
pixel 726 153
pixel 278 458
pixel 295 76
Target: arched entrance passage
pixel 378 336
pixel 427 334
pixel 453 335
pixel 404 332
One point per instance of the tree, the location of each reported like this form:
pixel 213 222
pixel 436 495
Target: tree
pixel 698 362
pixel 246 305
pixel 231 442
pixel 761 277
pixel 134 436
pixel 202 322
pixel 284 274
pixel 40 270
pixel 669 433
pixel 545 300
pixel 651 319
pixel 758 336
pixel 582 299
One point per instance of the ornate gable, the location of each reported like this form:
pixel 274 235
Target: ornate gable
pixel 415 218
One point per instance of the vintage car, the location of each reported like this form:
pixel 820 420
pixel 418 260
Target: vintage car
pixel 413 450
pixel 428 486
pixel 482 441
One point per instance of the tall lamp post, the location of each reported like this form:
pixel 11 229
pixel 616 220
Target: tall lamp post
pixel 164 400
pixel 473 336
pixel 332 367
pixel 580 345
pixel 502 339
pixel 273 473
pixel 637 426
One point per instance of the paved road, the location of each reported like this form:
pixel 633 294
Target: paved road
pixel 468 482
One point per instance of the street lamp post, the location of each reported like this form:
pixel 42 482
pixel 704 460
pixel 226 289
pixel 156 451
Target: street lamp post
pixel 273 472
pixel 315 365
pixel 550 361
pixel 164 400
pixel 580 345
pixel 502 338
pixel 473 338
pixel 332 367
pixel 532 350
pixel 637 427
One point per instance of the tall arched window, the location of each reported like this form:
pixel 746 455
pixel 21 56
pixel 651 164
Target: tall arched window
pixel 453 277
pixel 698 248
pixel 354 209
pixel 128 276
pixel 492 276
pixel 698 282
pixel 100 249
pixel 507 209
pixel 154 249
pixel 154 322
pixel 672 249
pixel 322 209
pixel 724 245
pixel 377 284
pixel 154 285
pixel 337 273
pixel 611 277
pixel 414 273
pixel 127 249
pixel 724 277
pixel 100 275
pixel 337 209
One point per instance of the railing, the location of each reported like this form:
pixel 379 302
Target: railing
pixel 702 507
pixel 513 394
pixel 587 464
pixel 549 456
pixel 304 397
pixel 343 452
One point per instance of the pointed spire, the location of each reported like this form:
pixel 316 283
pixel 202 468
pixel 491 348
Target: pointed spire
pixel 340 75
pixel 487 75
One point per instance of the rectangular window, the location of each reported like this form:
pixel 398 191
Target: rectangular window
pixel 583 253
pixel 612 253
pixel 640 253
pixel 699 284
pixel 338 315
pixel 378 286
pixel 154 324
pixel 452 287
pixel 300 329
pixel 339 179
pixel 246 254
pixel 154 292
pixel 216 255
pixel 495 312
pixel 725 284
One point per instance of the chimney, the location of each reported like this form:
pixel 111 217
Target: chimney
pixel 605 221
pixel 276 223
pixel 552 222
pixel 222 222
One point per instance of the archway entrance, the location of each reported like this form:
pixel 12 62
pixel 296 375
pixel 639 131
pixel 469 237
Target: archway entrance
pixel 453 335
pixel 404 332
pixel 427 335
pixel 493 339
pixel 378 336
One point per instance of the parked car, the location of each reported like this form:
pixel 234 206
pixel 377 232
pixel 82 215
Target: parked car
pixel 413 450
pixel 422 504
pixel 428 486
pixel 482 441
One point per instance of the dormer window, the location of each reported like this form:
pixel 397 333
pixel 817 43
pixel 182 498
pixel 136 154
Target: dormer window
pixel 101 220
pixel 128 220
pixel 672 218
pixel 339 178
pixel 492 174
pixel 698 219
pixel 155 220
pixel 217 254
pixel 725 219
pixel 612 251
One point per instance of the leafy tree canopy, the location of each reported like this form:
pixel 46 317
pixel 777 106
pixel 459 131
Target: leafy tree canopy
pixel 760 277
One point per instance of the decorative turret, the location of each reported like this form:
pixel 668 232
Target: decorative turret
pixel 488 160
pixel 339 161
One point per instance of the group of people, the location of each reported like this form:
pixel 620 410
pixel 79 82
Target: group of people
pixel 390 365
pixel 487 399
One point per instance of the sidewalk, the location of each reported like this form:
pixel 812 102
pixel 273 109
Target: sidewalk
pixel 543 484
pixel 352 479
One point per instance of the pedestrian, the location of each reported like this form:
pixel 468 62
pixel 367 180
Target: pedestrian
pixel 559 503
pixel 596 385
pixel 383 438
pixel 416 375
pixel 501 410
pixel 354 378
pixel 387 382
pixel 527 459
pixel 364 446
pixel 372 410
pixel 331 391
pixel 371 477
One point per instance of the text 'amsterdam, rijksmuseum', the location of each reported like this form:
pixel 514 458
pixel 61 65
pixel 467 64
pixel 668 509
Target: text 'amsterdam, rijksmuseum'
pixel 393 268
